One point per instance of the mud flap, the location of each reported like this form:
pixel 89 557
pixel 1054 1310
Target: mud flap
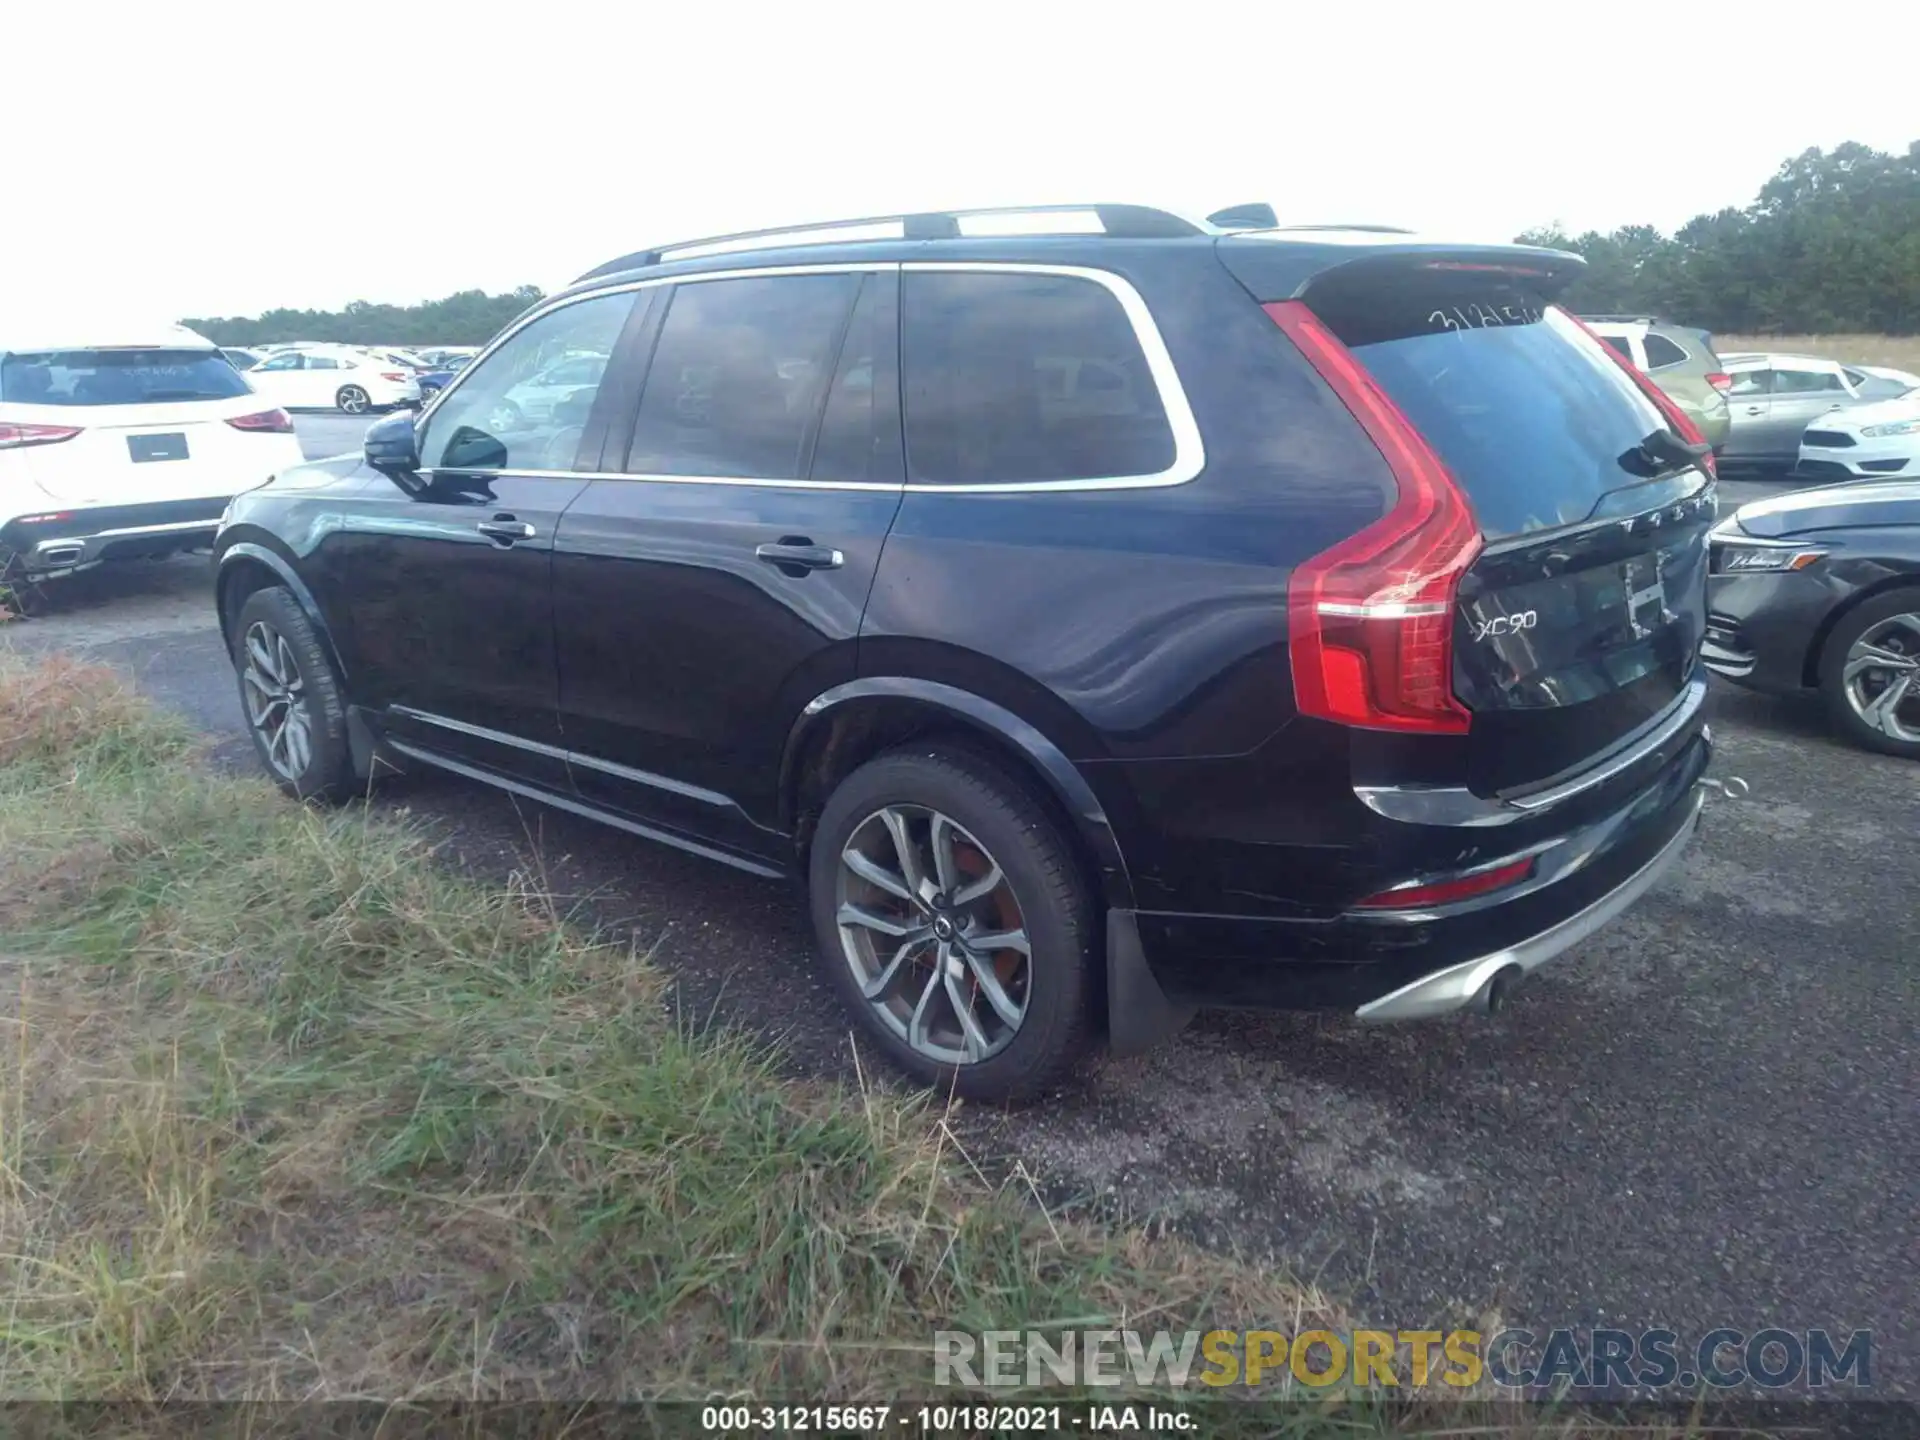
pixel 1139 1014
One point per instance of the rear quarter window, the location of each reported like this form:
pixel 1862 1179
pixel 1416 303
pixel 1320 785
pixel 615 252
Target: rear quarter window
pixel 1662 352
pixel 117 377
pixel 1011 378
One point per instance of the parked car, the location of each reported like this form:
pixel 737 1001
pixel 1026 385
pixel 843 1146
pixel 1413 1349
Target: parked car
pixel 1819 590
pixel 1103 625
pixel 326 377
pixel 241 359
pixel 533 400
pixel 432 382
pixel 1882 382
pixel 1681 361
pixel 1774 397
pixel 444 356
pixel 1867 442
pixel 123 443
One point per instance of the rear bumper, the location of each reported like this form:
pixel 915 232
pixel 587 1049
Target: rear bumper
pixel 1404 965
pixel 76 539
pixel 1466 984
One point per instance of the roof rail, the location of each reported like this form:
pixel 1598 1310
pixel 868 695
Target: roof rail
pixel 1364 229
pixel 1139 222
pixel 1640 318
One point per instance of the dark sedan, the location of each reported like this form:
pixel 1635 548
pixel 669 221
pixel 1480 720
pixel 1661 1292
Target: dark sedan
pixel 1819 590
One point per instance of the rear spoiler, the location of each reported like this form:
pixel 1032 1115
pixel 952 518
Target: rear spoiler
pixel 1286 265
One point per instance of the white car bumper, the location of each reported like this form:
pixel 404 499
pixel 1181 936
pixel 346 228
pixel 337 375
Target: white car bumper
pixel 1884 458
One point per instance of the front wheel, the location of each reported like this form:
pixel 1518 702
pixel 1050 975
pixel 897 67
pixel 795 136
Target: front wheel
pixel 1870 674
pixel 955 923
pixel 353 400
pixel 291 697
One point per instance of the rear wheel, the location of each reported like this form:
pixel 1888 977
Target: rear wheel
pixel 955 923
pixel 1870 674
pixel 291 698
pixel 353 400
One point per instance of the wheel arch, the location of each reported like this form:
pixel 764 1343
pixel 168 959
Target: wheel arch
pixel 1830 622
pixel 246 566
pixel 848 725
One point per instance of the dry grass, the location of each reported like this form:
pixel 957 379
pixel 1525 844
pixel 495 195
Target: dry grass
pixel 290 1111
pixel 1900 351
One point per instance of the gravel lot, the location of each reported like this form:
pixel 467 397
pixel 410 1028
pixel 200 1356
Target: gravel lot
pixel 1709 1115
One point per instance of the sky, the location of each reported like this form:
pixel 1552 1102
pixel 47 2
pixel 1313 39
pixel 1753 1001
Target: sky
pixel 206 158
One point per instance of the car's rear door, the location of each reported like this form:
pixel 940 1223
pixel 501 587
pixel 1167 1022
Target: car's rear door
pixel 708 591
pixel 1801 395
pixel 447 590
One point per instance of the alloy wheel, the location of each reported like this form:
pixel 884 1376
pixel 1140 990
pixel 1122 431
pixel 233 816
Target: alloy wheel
pixel 276 701
pixel 1882 677
pixel 934 935
pixel 353 400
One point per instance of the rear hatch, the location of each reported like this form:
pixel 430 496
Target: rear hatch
pixel 1580 618
pixel 152 425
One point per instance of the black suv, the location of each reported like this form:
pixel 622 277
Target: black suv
pixel 1107 614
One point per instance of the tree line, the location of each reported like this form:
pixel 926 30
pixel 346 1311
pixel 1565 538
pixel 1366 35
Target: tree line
pixel 1830 245
pixel 470 317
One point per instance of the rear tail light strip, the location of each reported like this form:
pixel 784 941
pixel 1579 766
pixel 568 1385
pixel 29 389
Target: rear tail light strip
pixel 1446 892
pixel 16 437
pixel 1370 621
pixel 270 422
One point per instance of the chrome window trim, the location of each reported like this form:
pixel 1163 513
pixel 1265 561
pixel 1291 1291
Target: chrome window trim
pixel 1189 450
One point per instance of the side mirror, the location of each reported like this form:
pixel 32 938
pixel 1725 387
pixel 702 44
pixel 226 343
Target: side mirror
pixel 392 449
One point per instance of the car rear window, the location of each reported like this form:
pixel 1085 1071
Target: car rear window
pixel 117 377
pixel 1531 415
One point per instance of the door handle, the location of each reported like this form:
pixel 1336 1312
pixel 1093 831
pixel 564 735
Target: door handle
pixel 505 530
pixel 795 554
pixel 1755 410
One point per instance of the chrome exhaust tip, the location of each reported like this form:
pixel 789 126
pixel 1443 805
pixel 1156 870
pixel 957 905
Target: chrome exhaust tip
pixel 1500 989
pixel 52 557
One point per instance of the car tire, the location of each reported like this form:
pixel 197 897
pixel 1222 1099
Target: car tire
pixel 353 400
pixel 1890 625
pixel 908 995
pixel 290 698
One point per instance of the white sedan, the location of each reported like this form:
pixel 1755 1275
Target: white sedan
pixel 1880 441
pixel 332 377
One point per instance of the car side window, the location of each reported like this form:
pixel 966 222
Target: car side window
pixel 1751 382
pixel 1662 352
pixel 738 375
pixel 1019 378
pixel 287 361
pixel 505 415
pixel 860 428
pixel 1619 344
pixel 1788 381
pixel 322 362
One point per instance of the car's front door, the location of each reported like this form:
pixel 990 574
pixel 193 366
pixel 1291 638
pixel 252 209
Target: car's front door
pixel 714 586
pixel 1749 409
pixel 449 590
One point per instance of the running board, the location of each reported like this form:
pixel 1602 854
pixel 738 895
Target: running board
pixel 576 806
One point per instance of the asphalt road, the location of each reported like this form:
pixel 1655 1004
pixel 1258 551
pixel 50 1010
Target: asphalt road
pixel 1707 1116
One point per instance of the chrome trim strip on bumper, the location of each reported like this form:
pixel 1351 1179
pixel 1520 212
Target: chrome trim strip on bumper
pixel 175 527
pixel 1460 985
pixel 1457 805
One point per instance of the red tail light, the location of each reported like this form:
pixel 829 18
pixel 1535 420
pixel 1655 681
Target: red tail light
pixel 1720 382
pixel 1443 892
pixel 272 422
pixel 1677 419
pixel 392 375
pixel 1371 620
pixel 15 437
